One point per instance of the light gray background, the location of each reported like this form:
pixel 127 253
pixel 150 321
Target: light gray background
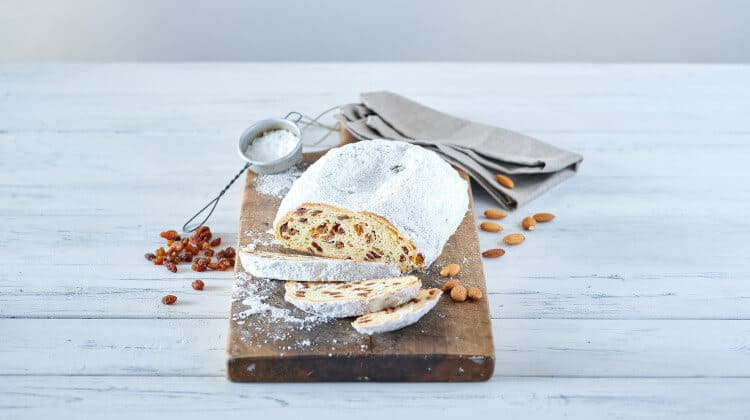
pixel 384 30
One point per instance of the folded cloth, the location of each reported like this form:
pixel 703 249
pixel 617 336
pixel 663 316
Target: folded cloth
pixel 482 151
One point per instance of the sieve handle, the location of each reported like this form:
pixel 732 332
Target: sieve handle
pixel 212 204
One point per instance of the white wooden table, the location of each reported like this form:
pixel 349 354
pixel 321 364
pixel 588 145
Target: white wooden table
pixel 635 302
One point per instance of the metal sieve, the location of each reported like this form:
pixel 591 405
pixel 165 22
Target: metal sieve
pixel 261 127
pixel 290 123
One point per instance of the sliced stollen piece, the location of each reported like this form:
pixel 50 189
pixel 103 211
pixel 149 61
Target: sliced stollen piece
pixel 341 300
pixel 399 317
pixel 277 266
pixel 377 200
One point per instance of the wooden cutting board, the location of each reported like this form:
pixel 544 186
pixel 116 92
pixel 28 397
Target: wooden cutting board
pixel 453 342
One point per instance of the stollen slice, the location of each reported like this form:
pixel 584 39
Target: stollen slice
pixel 277 266
pixel 341 300
pixel 392 319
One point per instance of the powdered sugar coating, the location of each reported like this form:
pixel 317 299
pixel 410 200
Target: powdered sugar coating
pixel 411 187
pixel 278 184
pixel 309 268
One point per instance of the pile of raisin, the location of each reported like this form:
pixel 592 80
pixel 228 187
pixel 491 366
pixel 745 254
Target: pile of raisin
pixel 198 250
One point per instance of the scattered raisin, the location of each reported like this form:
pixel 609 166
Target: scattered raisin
pixel 169 299
pixel 198 284
pixel 171 266
pixel 227 252
pixel 200 264
pixel 169 234
pixel 226 263
pixel 202 234
pixel 186 249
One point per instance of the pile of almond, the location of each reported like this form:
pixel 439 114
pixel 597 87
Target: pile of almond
pixel 528 223
pixel 458 292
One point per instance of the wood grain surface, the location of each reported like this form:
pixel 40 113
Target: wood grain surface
pixel 453 342
pixel 632 304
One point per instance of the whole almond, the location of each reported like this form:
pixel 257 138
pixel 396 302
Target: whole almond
pixel 474 293
pixel 505 181
pixel 544 217
pixel 458 293
pixel 490 227
pixel 528 223
pixel 493 253
pixel 448 285
pixel 514 239
pixel 450 270
pixel 494 214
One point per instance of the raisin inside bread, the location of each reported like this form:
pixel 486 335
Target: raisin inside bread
pixel 341 300
pixel 339 233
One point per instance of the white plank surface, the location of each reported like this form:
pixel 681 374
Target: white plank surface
pixel 118 397
pixel 633 303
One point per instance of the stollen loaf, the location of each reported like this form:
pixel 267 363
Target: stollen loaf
pixel 378 200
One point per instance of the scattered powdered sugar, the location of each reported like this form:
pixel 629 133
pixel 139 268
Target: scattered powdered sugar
pixel 264 239
pixel 264 320
pixel 255 295
pixel 271 145
pixel 279 184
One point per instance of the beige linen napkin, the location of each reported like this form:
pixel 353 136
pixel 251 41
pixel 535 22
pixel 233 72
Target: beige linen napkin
pixel 480 150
